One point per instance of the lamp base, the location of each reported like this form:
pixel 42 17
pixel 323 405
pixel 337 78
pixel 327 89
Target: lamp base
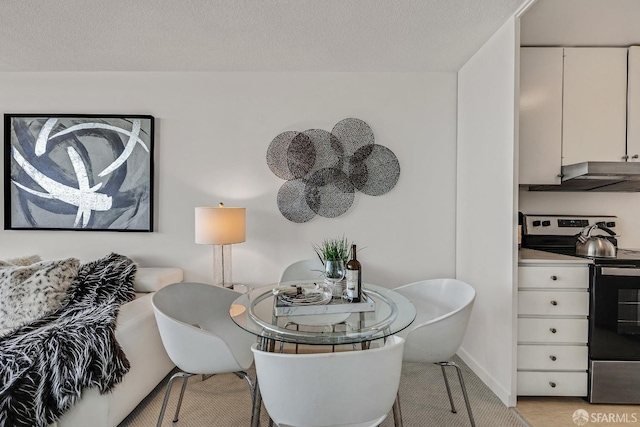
pixel 222 266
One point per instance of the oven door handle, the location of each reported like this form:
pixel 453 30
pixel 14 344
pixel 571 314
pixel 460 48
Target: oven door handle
pixel 630 270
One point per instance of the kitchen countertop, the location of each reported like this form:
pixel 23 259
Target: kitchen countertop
pixel 532 257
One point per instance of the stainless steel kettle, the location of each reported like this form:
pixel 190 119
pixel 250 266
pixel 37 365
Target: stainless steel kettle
pixel 595 246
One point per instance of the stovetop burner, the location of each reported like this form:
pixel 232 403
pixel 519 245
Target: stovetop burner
pixel 622 255
pixel 558 234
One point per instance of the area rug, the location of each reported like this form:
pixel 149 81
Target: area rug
pixel 224 401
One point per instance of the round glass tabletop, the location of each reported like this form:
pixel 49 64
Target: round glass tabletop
pixel 382 312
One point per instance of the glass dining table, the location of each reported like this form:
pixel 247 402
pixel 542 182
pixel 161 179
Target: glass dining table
pixel 381 313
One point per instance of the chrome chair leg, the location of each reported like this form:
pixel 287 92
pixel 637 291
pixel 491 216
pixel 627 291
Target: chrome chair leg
pixel 464 393
pixel 243 374
pixel 446 383
pixel 285 327
pixel 184 387
pixel 464 389
pixel 168 392
pixel 397 411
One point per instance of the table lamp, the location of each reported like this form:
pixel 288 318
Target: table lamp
pixel 221 227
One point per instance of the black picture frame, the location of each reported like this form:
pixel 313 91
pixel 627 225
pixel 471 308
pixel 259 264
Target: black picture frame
pixel 82 172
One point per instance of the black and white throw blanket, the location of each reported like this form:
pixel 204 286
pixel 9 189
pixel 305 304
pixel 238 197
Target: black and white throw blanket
pixel 46 364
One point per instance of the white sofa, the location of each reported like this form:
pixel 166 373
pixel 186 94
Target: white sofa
pixel 137 333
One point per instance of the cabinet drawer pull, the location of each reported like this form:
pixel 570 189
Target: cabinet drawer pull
pixel 552 384
pixel 553 330
pixel 554 302
pixel 625 157
pixel 553 358
pixel 635 156
pixel 554 277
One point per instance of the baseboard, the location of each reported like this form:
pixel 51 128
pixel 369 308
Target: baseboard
pixel 503 394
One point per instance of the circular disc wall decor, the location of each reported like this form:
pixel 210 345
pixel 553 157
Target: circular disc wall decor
pixel 329 150
pixel 277 154
pixel 329 192
pixel 353 133
pixel 323 170
pixel 292 202
pixel 374 170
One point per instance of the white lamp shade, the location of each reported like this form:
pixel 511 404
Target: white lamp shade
pixel 220 225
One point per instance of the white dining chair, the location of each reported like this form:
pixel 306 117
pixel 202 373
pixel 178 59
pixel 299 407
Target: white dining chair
pixel 303 270
pixel 199 335
pixel 443 309
pixel 309 269
pixel 342 389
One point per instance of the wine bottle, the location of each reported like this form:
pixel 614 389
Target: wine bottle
pixel 354 278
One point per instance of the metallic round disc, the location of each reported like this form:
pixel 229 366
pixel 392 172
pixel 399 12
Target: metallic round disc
pixel 277 154
pixel 329 152
pixel 353 134
pixel 374 169
pixel 292 202
pixel 329 192
pixel 301 156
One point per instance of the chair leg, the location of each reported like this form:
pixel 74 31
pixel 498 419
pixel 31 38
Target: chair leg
pixel 286 326
pixel 397 411
pixel 243 374
pixel 464 393
pixel 464 390
pixel 446 383
pixel 184 386
pixel 168 392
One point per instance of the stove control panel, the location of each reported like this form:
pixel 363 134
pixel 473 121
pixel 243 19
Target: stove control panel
pixel 566 225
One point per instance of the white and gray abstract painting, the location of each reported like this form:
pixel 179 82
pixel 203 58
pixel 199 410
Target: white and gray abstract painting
pixel 79 172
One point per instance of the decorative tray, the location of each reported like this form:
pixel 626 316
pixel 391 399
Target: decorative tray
pixel 310 302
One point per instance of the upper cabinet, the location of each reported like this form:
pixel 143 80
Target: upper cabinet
pixel 633 111
pixel 573 105
pixel 595 105
pixel 540 115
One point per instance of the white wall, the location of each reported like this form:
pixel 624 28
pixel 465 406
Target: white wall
pixel 486 200
pixel 623 205
pixel 212 134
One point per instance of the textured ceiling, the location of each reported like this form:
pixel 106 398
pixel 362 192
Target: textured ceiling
pixel 246 35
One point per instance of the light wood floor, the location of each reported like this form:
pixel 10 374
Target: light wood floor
pixel 559 412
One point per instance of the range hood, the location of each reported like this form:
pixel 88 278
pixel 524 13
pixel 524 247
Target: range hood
pixel 597 176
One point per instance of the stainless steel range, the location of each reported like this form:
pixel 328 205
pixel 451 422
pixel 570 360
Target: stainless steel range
pixel 614 307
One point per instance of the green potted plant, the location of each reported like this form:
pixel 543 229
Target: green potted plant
pixel 333 250
pixel 334 255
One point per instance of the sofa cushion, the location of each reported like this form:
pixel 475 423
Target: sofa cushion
pixel 25 260
pixel 150 279
pixel 30 291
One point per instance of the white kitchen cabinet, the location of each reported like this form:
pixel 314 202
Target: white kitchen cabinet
pixel 551 277
pixel 573 109
pixel 633 105
pixel 594 105
pixel 552 357
pixel 540 115
pixel 551 383
pixel 553 303
pixel 553 329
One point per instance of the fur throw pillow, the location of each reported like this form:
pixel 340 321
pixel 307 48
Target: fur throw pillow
pixel 25 260
pixel 31 291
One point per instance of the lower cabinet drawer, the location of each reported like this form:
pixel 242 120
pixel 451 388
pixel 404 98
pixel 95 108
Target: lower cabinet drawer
pixel 553 330
pixel 553 277
pixel 553 357
pixel 574 303
pixel 541 383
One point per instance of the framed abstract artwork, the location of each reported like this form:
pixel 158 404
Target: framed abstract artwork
pixel 78 172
